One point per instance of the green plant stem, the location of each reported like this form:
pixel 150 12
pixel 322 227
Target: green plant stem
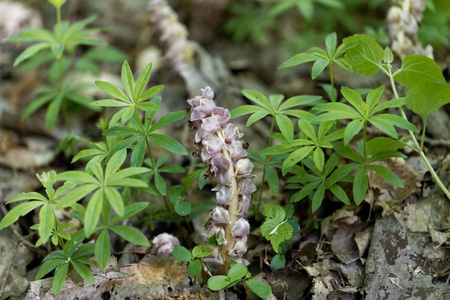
pixel 264 169
pixel 365 141
pixel 422 140
pixel 417 148
pixel 333 99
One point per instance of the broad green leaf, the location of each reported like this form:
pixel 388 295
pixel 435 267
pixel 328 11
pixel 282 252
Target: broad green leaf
pixel 340 194
pixel 218 282
pixel 352 129
pixel 183 208
pixel 261 289
pixel 103 249
pixel 276 232
pixel 201 251
pixel 299 59
pixel 318 197
pixel 382 144
pixel 258 98
pixel 278 262
pixel 318 67
pixel 286 127
pixel 167 143
pixel 194 268
pixel 274 211
pixel 112 90
pixel 30 52
pixel 20 210
pixel 387 175
pixel 182 254
pixel 360 185
pixel 364 54
pixel 60 277
pixel 131 235
pixel 237 272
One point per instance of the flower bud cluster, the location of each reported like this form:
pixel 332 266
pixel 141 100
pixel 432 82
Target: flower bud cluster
pixel 403 21
pixel 164 243
pixel 217 143
pixel 179 51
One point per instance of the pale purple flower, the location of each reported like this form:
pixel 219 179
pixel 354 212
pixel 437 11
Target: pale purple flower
pixel 240 228
pixel 164 243
pixel 224 195
pixel 219 215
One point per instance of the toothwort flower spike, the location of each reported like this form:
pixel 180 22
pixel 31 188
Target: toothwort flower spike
pixel 217 141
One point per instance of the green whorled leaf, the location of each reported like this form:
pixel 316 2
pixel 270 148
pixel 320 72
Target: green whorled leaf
pixel 53 111
pixel 167 143
pixel 308 129
pixel 218 282
pixel 112 90
pixel 237 272
pixel 278 262
pixel 46 221
pixel 272 179
pixel 83 271
pixel 305 191
pixel 299 101
pixel 182 254
pixel 319 158
pixel 115 199
pixel 372 99
pixel 256 117
pixel 352 129
pixel 296 157
pixel 276 232
pixel 151 92
pixel 344 65
pixel 384 125
pixel 299 59
pixel 275 100
pixel 75 195
pixel 318 67
pixel 47 266
pixel 127 113
pixel 131 235
pixel 318 197
pixel 160 184
pixel 355 99
pixel 261 289
pixel 102 249
pixel 127 182
pixel 300 114
pixel 148 106
pixel 286 127
pixel 76 177
pixel 27 196
pixel 245 110
pixel 278 149
pixel 20 210
pixel 340 194
pixel 387 175
pixel 127 79
pixel 138 153
pixel 37 103
pixel 142 80
pixel 258 98
pixel 194 267
pixel 172 169
pixel 318 51
pixel 130 210
pixel 360 185
pixel 121 131
pixel 95 168
pixel 60 277
pixel 382 144
pixel 32 35
pixel 57 49
pixel 30 52
pixel 109 103
pixel 388 104
pixel 363 54
pixel 93 211
pixel 58 255
pixel 398 121
pixel 340 173
pixel 201 251
pixel 346 151
pixel 115 162
pixel 168 119
pixel 339 110
pixel 183 208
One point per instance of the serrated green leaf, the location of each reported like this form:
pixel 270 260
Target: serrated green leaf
pixel 364 54
pixel 276 232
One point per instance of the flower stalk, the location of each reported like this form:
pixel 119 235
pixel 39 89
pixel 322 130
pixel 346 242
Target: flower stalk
pixel 217 143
